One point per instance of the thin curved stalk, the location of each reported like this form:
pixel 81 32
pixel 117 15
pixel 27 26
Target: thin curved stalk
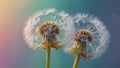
pixel 48 57
pixel 76 62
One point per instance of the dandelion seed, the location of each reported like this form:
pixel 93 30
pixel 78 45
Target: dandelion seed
pixel 41 23
pixel 45 30
pixel 89 39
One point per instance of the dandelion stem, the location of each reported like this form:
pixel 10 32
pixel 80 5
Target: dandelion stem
pixel 48 57
pixel 76 62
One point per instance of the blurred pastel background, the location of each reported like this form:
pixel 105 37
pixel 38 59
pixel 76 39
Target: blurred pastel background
pixel 14 53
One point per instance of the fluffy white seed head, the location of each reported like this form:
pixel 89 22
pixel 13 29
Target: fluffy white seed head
pixel 31 33
pixel 100 35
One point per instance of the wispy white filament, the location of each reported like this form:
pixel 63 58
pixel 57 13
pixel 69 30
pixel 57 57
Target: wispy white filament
pixel 31 34
pixel 100 34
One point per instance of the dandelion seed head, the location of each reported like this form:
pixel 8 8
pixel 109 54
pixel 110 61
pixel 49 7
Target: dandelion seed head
pixel 44 23
pixel 97 33
pixel 48 29
pixel 83 36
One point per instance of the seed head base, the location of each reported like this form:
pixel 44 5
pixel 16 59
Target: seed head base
pixel 48 31
pixel 81 38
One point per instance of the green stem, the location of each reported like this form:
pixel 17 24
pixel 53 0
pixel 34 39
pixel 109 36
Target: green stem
pixel 76 62
pixel 48 57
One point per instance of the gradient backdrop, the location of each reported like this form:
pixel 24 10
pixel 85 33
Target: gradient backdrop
pixel 14 53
